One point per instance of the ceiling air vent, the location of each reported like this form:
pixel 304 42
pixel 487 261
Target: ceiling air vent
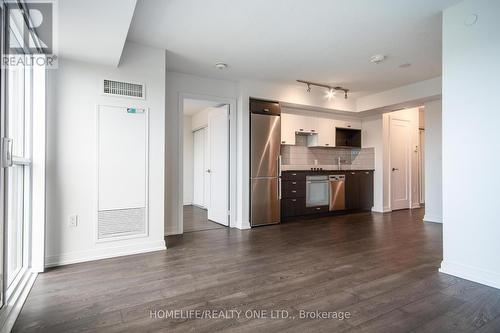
pixel 125 89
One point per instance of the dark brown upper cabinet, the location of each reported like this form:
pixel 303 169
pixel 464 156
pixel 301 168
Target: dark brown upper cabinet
pixel 347 137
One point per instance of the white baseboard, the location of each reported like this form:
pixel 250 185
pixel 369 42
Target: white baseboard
pixel 415 206
pixel 14 305
pixel 97 254
pixel 471 273
pixel 243 225
pixel 381 210
pixel 433 218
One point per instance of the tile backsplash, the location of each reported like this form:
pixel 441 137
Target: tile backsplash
pixel 300 154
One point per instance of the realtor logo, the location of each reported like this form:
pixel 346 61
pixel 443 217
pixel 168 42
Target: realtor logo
pixel 30 35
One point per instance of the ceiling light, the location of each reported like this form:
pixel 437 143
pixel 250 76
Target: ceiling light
pixel 330 93
pixel 221 66
pixel 331 90
pixel 377 58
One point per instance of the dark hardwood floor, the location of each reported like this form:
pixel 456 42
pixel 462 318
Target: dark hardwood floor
pixel 382 269
pixel 195 219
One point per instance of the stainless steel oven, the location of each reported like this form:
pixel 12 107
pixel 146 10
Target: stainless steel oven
pixel 317 191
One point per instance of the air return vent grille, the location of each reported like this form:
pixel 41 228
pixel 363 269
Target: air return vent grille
pixel 125 89
pixel 121 222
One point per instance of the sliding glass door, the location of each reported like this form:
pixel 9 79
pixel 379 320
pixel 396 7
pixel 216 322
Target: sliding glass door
pixel 16 162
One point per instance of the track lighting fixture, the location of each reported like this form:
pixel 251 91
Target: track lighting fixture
pixel 331 90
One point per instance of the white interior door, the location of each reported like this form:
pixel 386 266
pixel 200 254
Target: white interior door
pixel 400 164
pixel 199 167
pixel 218 171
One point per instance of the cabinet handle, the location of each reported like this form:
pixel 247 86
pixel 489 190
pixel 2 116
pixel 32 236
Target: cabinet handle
pixel 313 130
pixel 265 110
pixel 294 174
pixel 283 141
pixel 353 173
pixel 294 183
pixel 318 208
pixel 367 172
pixel 294 191
pixel 294 200
pixel 327 144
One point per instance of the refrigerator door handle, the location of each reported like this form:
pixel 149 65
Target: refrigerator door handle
pixel 279 165
pixel 279 188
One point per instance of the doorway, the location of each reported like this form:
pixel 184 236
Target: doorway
pixel 206 157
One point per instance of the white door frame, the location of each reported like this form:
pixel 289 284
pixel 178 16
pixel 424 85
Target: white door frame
pixel 232 154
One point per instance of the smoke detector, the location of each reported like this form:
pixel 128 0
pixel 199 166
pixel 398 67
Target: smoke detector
pixel 221 66
pixel 377 58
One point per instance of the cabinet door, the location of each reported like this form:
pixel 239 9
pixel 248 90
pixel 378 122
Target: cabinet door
pixel 354 124
pixel 293 207
pixel 326 132
pixel 305 124
pixel 288 127
pixel 353 200
pixel 366 189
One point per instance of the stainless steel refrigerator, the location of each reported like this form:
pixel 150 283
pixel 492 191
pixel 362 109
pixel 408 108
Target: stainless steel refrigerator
pixel 265 163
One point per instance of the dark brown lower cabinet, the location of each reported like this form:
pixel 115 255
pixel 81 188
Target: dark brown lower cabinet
pixel 366 190
pixel 359 194
pixel 292 207
pixel 359 190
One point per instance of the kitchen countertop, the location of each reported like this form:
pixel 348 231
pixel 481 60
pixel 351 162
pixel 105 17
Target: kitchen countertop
pixel 323 168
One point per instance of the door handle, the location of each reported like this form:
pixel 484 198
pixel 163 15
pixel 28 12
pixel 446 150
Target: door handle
pixel 279 166
pixel 7 145
pixel 394 169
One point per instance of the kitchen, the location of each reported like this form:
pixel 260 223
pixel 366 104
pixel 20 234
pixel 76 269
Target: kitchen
pixel 305 165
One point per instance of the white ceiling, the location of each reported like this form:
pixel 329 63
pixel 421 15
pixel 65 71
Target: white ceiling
pixel 329 41
pixel 93 30
pixel 193 106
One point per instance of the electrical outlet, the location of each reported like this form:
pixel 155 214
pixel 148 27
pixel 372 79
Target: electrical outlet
pixel 73 221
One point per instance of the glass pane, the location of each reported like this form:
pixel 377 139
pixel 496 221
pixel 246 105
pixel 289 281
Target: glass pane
pixel 15 108
pixel 15 221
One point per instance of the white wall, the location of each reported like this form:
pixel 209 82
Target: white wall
pixel 199 120
pixel 188 161
pixel 471 227
pixel 372 137
pixel 71 153
pixel 411 95
pixel 433 163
